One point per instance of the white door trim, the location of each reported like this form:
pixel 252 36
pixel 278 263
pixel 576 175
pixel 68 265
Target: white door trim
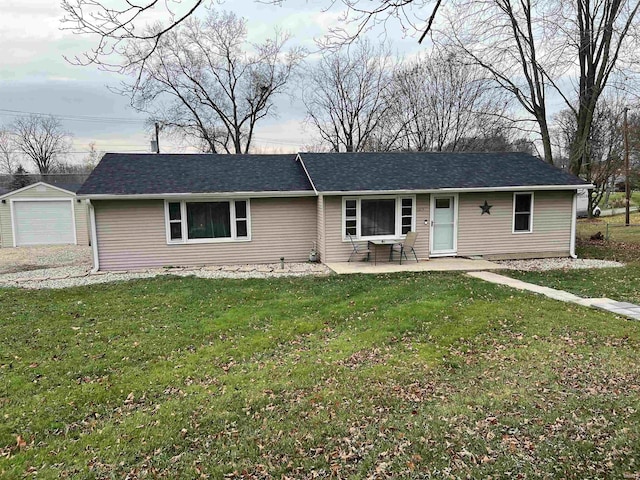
pixel 432 202
pixel 52 199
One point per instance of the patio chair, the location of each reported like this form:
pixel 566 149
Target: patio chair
pixel 357 249
pixel 407 245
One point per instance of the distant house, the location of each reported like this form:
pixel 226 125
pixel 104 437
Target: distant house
pixel 43 214
pixel 157 210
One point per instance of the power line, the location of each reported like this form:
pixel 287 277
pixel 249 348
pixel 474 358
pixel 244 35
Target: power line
pixel 75 118
pixel 87 151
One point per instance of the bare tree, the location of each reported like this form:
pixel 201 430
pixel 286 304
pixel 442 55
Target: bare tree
pixel 116 22
pixel 606 146
pixel 42 140
pixel 530 47
pixel 93 157
pixel 347 96
pixel 86 166
pixel 439 100
pixel 8 158
pixel 205 81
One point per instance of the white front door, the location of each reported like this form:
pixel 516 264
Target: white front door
pixel 444 229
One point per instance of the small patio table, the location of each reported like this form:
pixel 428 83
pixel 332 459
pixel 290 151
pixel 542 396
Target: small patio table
pixel 376 243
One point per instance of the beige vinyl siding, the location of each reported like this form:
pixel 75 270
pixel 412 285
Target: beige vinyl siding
pixel 320 222
pixel 131 234
pixel 82 222
pixel 491 235
pixel 337 250
pixel 39 192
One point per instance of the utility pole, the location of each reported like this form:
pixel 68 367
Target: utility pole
pixel 627 187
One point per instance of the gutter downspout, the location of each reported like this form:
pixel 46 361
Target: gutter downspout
pixel 94 237
pixel 574 215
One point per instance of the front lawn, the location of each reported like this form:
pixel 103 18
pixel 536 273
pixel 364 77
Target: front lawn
pixel 622 284
pixel 617 231
pixel 403 376
pixel 618 198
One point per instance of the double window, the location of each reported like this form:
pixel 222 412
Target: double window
pixel 207 221
pixel 522 212
pixel 378 217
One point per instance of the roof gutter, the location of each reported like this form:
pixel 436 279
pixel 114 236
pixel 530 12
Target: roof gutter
pixel 315 193
pixel 526 188
pixel 162 196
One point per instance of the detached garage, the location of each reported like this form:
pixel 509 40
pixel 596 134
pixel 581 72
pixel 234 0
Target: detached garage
pixel 43 214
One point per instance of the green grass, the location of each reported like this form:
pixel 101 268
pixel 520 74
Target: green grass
pixel 621 284
pixel 618 197
pixel 403 376
pixel 617 230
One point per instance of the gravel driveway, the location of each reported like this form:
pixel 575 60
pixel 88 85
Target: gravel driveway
pixel 24 259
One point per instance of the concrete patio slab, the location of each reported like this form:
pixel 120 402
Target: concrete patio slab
pixel 433 265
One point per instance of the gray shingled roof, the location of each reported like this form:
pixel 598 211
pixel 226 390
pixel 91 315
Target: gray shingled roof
pixel 339 172
pixel 146 174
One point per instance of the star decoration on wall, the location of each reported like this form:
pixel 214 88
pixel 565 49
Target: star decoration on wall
pixel 486 208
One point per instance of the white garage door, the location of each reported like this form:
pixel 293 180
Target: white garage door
pixel 47 222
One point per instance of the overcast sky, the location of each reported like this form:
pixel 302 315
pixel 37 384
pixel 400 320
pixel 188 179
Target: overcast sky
pixel 35 77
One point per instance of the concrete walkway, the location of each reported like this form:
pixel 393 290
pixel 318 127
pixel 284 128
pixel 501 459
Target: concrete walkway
pixel 616 211
pixel 624 309
pixel 445 264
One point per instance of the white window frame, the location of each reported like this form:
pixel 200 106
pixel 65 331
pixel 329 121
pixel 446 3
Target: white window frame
pixel 398 226
pixel 185 229
pixel 513 215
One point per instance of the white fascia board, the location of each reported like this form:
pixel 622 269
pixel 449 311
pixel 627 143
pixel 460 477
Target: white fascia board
pixel 33 185
pixel 306 172
pixel 527 188
pixel 162 196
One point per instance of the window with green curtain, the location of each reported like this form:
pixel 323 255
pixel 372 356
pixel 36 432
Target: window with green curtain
pixel 208 220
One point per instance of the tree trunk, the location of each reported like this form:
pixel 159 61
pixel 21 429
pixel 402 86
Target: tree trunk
pixel 546 139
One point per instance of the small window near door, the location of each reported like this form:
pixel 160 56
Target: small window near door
pixel 406 215
pixel 522 212
pixel 351 218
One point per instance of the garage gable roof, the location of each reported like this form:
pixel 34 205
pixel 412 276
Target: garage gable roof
pixel 33 185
